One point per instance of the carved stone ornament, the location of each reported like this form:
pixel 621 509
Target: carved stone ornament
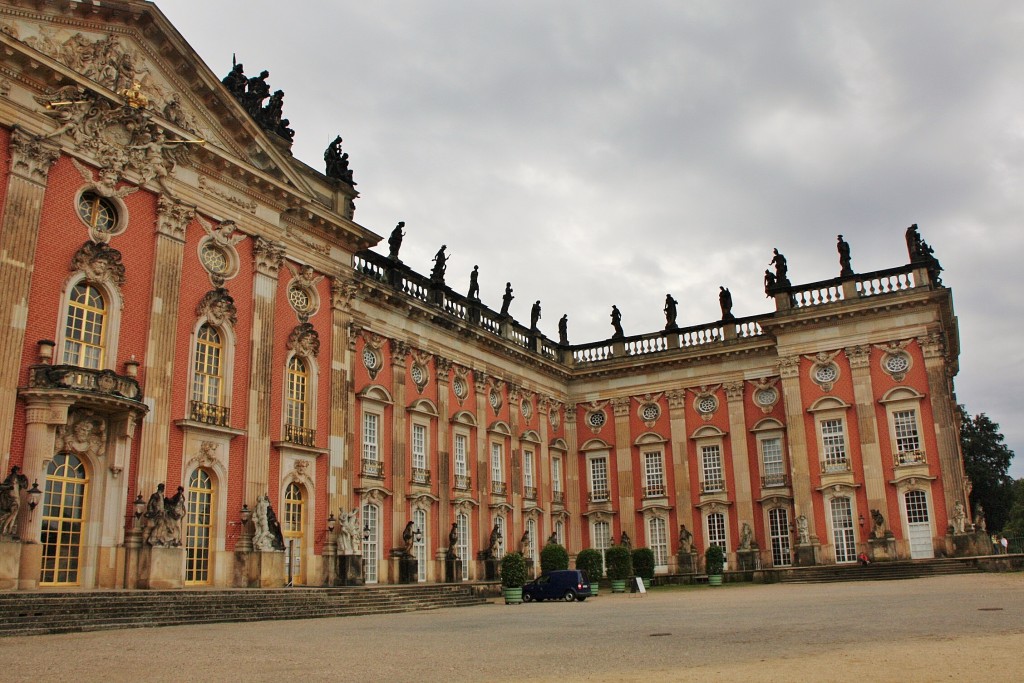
pixel 460 383
pixel 343 292
pixel 304 341
pixel 648 409
pixel 895 360
pixel 172 217
pixel 443 366
pixel 207 456
pixel 554 417
pixel 596 417
pixel 84 434
pixel 305 275
pixel 570 414
pixel 858 356
pixel 824 369
pixel 301 468
pixel 100 263
pixel 733 390
pixel 932 346
pixel 31 157
pixel 789 367
pixel 400 350
pixel 766 394
pixel 218 307
pixel 223 233
pixel 372 355
pixel 676 399
pixel 705 401
pixel 480 381
pixel 268 256
pixel 620 406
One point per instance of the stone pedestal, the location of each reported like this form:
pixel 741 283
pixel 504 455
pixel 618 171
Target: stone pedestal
pixel 408 570
pixel 491 570
pixel 10 564
pixel 452 570
pixel 970 544
pixel 31 565
pixel 686 563
pixel 747 560
pixel 530 570
pixel 161 568
pixel 265 569
pixel 808 554
pixel 882 549
pixel 349 570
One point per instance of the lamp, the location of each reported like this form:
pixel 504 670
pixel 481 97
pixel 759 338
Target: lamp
pixel 331 522
pixel 245 514
pixel 139 505
pixel 34 494
pixel 418 535
pixel 860 518
pixel 366 532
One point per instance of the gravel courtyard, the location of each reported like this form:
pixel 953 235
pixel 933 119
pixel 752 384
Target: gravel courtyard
pixel 943 628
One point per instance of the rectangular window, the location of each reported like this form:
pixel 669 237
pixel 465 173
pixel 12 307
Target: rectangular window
pixel 528 469
pixel 371 421
pixel 419 447
pixel 602 541
pixel 460 455
pixel 499 522
pixel 559 533
pixel 711 462
pixel 599 479
pixel 771 462
pixel 716 529
pixel 905 425
pixel 556 474
pixel 834 444
pixel 654 475
pixel 497 469
pixel 462 543
pixel 658 541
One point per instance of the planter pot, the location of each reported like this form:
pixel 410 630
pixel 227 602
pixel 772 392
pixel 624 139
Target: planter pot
pixel 714 579
pixel 593 589
pixel 513 596
pixel 647 583
pixel 618 585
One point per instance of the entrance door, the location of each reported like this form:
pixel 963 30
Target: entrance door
pixel 919 528
pixel 63 518
pixel 778 527
pixel 842 531
pixel 370 542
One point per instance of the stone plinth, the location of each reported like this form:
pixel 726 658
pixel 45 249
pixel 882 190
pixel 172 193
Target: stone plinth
pixel 491 568
pixel 349 570
pixel 161 568
pixel 266 569
pixel 686 563
pixel 882 549
pixel 747 559
pixel 10 564
pixel 408 570
pixel 808 554
pixel 970 544
pixel 453 570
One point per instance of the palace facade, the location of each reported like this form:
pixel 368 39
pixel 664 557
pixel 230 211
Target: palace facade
pixel 187 304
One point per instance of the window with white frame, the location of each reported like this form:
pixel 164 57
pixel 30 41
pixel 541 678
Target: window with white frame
pixel 773 472
pixel 419 518
pixel 371 542
pixel 904 423
pixel 711 468
pixel 499 521
pixel 531 538
pixel 497 468
pixel 556 479
pixel 657 541
pixel 778 531
pixel 654 474
pixel 419 446
pixel 85 322
pixel 529 489
pixel 371 432
pixel 462 542
pixel 599 478
pixel 461 467
pixel 716 530
pixel 833 443
pixel 842 530
pixel 602 541
pixel 559 532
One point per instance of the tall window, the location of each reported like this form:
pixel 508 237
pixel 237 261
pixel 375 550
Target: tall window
pixel 711 462
pixel 529 488
pixel 497 456
pixel 657 540
pixel 778 530
pixel 294 518
pixel 499 521
pixel 63 520
pixel 207 382
pixel 199 527
pixel 460 455
pixel 531 537
pixel 419 447
pixel 297 392
pixel 556 475
pixel 654 474
pixel 371 422
pixel 842 530
pixel 599 479
pixel 905 425
pixel 602 541
pixel 771 462
pixel 833 442
pixel 716 530
pixel 462 544
pixel 560 532
pixel 419 519
pixel 371 542
pixel 84 327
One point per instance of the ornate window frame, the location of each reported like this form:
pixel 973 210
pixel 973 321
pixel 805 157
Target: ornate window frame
pixel 112 318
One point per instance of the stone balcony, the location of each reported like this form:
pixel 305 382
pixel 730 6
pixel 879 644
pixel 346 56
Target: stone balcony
pixel 463 482
pixel 420 476
pixel 372 468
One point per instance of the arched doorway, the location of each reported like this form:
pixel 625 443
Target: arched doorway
pixel 199 529
pixel 67 483
pixel 919 526
pixel 292 530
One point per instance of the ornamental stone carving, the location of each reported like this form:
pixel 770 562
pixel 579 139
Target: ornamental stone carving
pixel 789 367
pixel 895 360
pixel 100 263
pixel 676 399
pixel 733 390
pixel 304 341
pixel 932 346
pixel 400 350
pixel 824 369
pixel 766 395
pixel 268 256
pixel 218 307
pixel 31 157
pixel 85 434
pixel 620 406
pixel 444 367
pixel 859 356
pixel 173 217
pixel 342 294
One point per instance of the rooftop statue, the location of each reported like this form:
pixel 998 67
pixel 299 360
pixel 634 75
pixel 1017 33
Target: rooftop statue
pixel 256 90
pixel 474 284
pixel 769 282
pixel 617 323
pixel 236 81
pixel 725 302
pixel 781 269
pixel 563 330
pixel 845 269
pixel 440 265
pixel 506 300
pixel 534 316
pixel 670 313
pixel 395 241
pixel 337 162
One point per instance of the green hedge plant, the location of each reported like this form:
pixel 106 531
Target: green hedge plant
pixel 513 570
pixel 619 561
pixel 589 560
pixel 714 559
pixel 643 563
pixel 553 557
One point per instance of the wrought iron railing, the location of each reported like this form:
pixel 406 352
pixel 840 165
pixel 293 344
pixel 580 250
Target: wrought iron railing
pixel 712 486
pixel 530 492
pixel 372 468
pixel 302 436
pixel 769 481
pixel 558 497
pixel 209 413
pixel 463 482
pixel 915 457
pixel 654 491
pixel 835 466
pixel 499 488
pixel 598 496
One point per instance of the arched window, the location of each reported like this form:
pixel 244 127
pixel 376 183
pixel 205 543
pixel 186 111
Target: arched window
pixel 462 543
pixel 63 520
pixel 295 400
pixel 419 519
pixel 657 541
pixel 371 542
pixel 84 327
pixel 199 529
pixel 208 377
pixel 778 530
pixel 294 523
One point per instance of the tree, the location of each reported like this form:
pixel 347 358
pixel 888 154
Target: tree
pixel 1015 525
pixel 987 462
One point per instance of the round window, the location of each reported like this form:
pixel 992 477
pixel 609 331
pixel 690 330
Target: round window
pixel 300 299
pixel 826 373
pixel 650 412
pixel 99 213
pixel 460 387
pixel 766 397
pixel 214 259
pixel 707 404
pixel 370 359
pixel 495 398
pixel 526 408
pixel 897 362
pixel 418 374
pixel 596 418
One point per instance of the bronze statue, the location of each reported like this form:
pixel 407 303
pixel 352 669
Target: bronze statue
pixel 474 284
pixel 563 330
pixel 408 538
pixel 506 300
pixel 534 316
pixel 440 265
pixel 453 541
pixel 845 269
pixel 395 240
pixel 617 323
pixel 725 302
pixel 236 81
pixel 670 313
pixel 781 268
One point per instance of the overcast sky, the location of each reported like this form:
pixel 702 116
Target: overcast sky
pixel 597 153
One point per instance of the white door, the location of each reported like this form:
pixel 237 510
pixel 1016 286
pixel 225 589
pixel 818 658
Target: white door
pixel 919 528
pixel 842 531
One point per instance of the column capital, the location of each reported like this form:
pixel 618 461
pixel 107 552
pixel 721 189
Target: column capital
pixel 268 256
pixel 172 217
pixel 31 156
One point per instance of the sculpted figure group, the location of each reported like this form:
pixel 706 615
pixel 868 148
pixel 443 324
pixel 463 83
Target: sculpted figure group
pixel 162 518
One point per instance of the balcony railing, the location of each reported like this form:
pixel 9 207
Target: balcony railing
pixel 904 458
pixel 530 492
pixel 558 497
pixel 499 488
pixel 209 413
pixel 302 436
pixel 420 475
pixel 769 481
pixel 835 466
pixel 654 491
pixel 463 482
pixel 598 496
pixel 373 468
pixel 712 486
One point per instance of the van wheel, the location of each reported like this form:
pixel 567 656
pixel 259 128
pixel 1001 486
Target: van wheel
pixel 581 598
pixel 569 596
pixel 527 597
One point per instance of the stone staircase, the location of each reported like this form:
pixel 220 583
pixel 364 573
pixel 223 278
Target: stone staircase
pixel 64 612
pixel 877 571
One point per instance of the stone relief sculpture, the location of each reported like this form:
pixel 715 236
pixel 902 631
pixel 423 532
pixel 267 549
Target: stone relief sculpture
pixel 84 434
pixel 100 263
pixel 685 539
pixel 959 518
pixel 349 533
pixel 10 500
pixel 802 532
pixel 218 307
pixel 746 536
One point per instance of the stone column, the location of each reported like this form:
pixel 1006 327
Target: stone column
pixel 947 435
pixel 740 454
pixel 573 531
pixel 342 465
pixel 867 425
pixel 443 367
pixel 172 220
pixel 680 463
pixel 799 457
pixel 400 467
pixel 31 159
pixel 482 472
pixel 268 257
pixel 625 502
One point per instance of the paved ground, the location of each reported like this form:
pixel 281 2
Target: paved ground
pixel 956 628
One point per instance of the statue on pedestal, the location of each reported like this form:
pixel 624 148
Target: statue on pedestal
pixel 617 323
pixel 395 241
pixel 10 500
pixel 685 539
pixel 474 284
pixel 440 265
pixel 563 330
pixel 408 539
pixel 959 518
pixel 725 303
pixel 453 541
pixel 670 313
pixel 506 299
pixel 534 316
pixel 845 269
pixel 802 532
pixel 746 536
pixel 781 268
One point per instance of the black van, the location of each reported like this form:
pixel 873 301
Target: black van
pixel 562 584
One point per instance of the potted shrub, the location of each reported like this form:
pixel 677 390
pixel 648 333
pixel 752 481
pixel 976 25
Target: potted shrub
pixel 513 576
pixel 620 566
pixel 589 560
pixel 553 557
pixel 643 565
pixel 714 561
